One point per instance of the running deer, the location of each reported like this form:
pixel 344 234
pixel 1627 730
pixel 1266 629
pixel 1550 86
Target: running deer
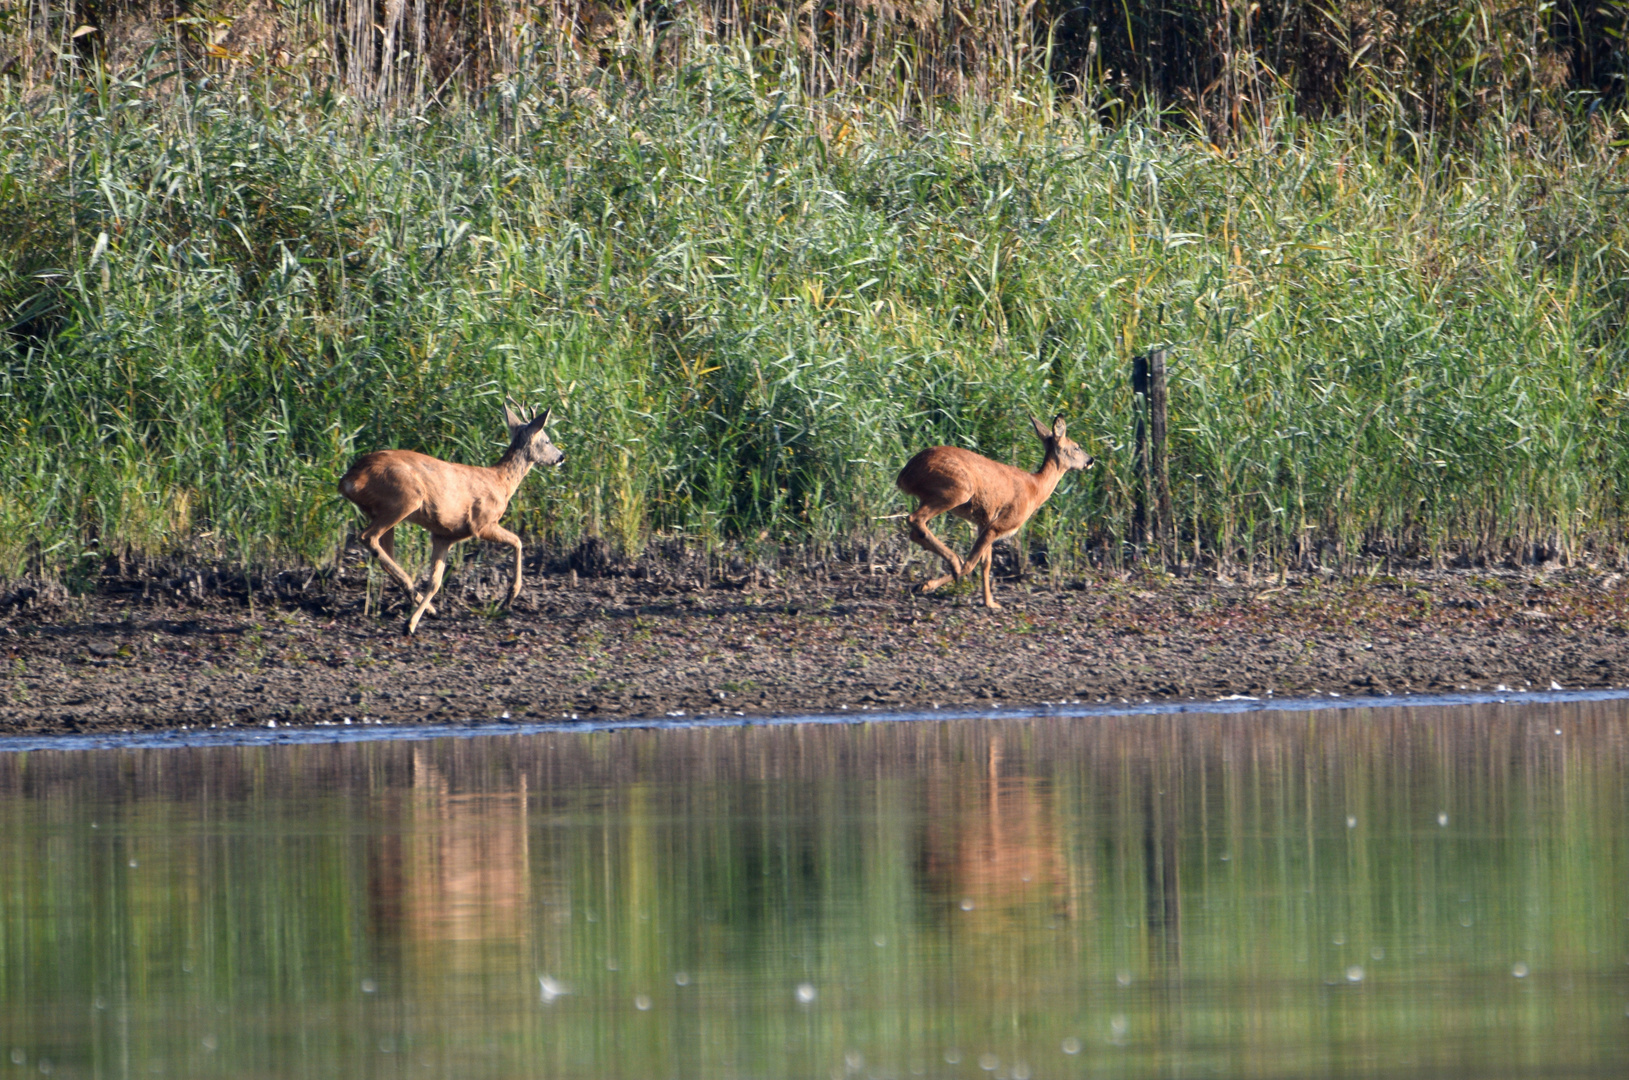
pixel 453 502
pixel 996 499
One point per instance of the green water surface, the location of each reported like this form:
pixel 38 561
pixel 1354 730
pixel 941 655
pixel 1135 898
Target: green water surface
pixel 1371 893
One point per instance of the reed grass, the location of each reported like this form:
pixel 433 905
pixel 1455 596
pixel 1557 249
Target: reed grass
pixel 1449 64
pixel 749 305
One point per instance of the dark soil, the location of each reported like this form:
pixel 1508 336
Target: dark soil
pixel 170 648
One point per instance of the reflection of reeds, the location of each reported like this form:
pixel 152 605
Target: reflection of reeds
pixel 1218 873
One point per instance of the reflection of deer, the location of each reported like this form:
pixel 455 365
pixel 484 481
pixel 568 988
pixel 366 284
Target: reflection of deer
pixel 467 871
pixel 997 499
pixel 453 502
pixel 1004 849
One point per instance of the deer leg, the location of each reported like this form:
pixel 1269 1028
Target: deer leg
pixel 922 537
pixel 387 542
pixel 497 534
pixel 381 540
pixel 438 567
pixel 981 553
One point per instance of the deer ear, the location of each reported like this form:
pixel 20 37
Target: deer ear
pixel 1040 429
pixel 548 414
pixel 510 417
pixel 1059 428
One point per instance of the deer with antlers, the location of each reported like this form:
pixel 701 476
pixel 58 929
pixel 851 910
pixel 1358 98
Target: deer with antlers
pixel 452 502
pixel 996 499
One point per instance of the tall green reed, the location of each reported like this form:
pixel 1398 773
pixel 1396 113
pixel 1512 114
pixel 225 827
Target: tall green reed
pixel 749 307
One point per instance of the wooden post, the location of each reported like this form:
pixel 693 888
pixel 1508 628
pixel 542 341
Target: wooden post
pixel 1164 524
pixel 1153 522
pixel 1140 532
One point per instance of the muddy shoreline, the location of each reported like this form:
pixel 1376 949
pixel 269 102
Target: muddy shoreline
pixel 162 651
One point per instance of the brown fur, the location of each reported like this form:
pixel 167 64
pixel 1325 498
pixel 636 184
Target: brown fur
pixel 452 502
pixel 996 499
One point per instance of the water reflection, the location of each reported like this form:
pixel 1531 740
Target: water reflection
pixel 1366 893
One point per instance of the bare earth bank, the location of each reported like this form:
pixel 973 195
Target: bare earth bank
pixel 163 652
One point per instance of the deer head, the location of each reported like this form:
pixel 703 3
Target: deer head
pixel 528 442
pixel 1060 446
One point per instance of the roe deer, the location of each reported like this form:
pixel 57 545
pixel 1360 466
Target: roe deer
pixel 997 499
pixel 453 502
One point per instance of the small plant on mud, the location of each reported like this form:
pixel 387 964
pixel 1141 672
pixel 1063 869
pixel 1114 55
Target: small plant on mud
pixel 491 610
pixel 1158 576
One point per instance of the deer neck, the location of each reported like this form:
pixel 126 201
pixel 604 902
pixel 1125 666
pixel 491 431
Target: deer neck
pixel 1047 476
pixel 511 469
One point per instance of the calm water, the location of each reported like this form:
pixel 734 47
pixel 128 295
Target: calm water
pixel 1386 893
